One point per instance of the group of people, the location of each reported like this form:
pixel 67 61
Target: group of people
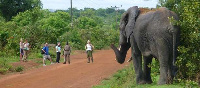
pixel 24 50
pixel 66 53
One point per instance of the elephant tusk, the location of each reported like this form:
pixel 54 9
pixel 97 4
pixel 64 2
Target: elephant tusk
pixel 119 47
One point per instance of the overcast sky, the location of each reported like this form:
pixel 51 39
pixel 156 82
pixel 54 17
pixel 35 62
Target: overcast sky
pixel 80 4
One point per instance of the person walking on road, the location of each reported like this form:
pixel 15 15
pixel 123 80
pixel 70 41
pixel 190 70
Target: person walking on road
pixel 46 55
pixel 89 49
pixel 58 52
pixel 67 51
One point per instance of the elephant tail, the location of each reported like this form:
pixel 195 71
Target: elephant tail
pixel 175 34
pixel 174 48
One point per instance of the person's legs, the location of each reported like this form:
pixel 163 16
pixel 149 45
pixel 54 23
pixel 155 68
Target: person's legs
pixel 24 56
pixel 59 57
pixel 21 54
pixel 48 57
pixel 88 55
pixel 57 54
pixel 44 58
pixel 65 56
pixel 68 56
pixel 91 56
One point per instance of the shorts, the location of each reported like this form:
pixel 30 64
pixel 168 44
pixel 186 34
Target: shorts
pixel 66 53
pixel 21 51
pixel 46 57
pixel 89 53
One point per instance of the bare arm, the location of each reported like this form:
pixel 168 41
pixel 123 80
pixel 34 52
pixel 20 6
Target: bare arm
pixel 92 46
pixel 43 51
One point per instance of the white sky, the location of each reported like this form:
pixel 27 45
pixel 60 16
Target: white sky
pixel 80 4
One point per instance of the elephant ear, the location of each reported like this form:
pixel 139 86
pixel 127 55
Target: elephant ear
pixel 131 17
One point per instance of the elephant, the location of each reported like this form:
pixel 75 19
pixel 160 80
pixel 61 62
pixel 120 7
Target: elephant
pixel 148 35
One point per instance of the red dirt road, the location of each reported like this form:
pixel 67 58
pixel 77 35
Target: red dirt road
pixel 78 74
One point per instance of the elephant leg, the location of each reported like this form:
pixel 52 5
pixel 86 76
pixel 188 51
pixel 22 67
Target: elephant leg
pixel 137 62
pixel 163 57
pixel 171 71
pixel 147 69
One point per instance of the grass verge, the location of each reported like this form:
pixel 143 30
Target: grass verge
pixel 125 78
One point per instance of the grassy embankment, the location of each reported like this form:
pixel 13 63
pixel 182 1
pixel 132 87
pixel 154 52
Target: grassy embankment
pixel 125 78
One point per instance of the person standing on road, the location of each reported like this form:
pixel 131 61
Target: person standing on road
pixel 67 51
pixel 25 51
pixel 89 49
pixel 58 52
pixel 21 45
pixel 46 55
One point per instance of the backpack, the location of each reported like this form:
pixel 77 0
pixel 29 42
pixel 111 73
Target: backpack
pixel 42 52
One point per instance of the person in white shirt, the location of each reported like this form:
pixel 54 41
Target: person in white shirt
pixel 58 52
pixel 89 49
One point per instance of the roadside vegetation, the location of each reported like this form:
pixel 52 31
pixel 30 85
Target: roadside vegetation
pixel 125 78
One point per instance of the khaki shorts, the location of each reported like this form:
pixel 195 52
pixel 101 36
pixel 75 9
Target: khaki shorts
pixel 89 53
pixel 46 57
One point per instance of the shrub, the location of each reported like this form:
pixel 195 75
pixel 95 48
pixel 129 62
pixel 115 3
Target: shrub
pixel 3 71
pixel 19 69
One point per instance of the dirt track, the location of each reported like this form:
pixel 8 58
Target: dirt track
pixel 78 74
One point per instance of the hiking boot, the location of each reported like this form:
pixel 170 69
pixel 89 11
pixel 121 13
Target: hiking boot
pixel 64 63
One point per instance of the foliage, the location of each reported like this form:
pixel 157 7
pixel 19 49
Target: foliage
pixel 125 78
pixel 118 80
pixel 4 66
pixel 10 8
pixel 19 69
pixel 189 49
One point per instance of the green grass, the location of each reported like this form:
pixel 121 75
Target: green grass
pixel 125 78
pixel 4 64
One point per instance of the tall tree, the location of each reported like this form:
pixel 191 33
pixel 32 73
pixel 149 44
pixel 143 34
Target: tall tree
pixel 9 8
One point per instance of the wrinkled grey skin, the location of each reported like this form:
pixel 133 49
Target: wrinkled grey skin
pixel 149 35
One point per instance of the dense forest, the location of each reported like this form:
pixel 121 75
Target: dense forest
pixel 29 21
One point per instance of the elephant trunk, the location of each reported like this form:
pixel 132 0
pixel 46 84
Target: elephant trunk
pixel 120 54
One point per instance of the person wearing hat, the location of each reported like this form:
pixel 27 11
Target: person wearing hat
pixel 89 48
pixel 46 55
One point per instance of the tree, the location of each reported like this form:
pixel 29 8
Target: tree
pixel 10 8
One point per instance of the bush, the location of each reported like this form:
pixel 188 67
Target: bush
pixel 4 64
pixel 3 71
pixel 19 69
